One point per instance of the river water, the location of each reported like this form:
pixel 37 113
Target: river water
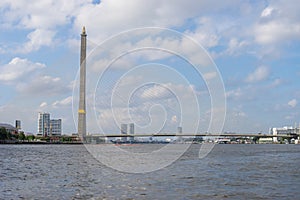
pixel 227 172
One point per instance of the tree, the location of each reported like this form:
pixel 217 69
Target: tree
pixel 8 135
pixel 3 133
pixel 21 136
pixel 30 137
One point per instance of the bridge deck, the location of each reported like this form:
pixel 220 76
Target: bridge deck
pixel 189 135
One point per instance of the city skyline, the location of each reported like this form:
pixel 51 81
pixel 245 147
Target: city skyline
pixel 254 44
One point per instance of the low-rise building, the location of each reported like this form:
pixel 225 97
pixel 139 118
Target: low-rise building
pixel 266 140
pixel 9 128
pixel 286 130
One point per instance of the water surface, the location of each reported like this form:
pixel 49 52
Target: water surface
pixel 228 172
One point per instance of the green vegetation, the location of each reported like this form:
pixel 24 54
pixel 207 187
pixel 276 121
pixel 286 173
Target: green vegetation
pixel 30 137
pixel 21 136
pixel 65 139
pixel 7 137
pixel 4 135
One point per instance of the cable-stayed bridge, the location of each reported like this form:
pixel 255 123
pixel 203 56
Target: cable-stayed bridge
pixel 191 135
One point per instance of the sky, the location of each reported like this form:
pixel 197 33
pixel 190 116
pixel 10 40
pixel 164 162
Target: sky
pixel 204 61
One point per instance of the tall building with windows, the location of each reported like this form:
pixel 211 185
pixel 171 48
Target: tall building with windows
pixel 18 124
pixel 55 127
pixel 179 129
pixel 124 131
pixel 131 131
pixel 47 126
pixel 127 129
pixel 44 124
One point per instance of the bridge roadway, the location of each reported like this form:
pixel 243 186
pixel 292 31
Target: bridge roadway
pixel 189 135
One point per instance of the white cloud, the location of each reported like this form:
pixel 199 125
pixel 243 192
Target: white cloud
pixel 43 104
pixel 28 79
pixel 111 15
pixel 42 18
pixel 64 102
pixel 156 92
pixel 279 24
pixel 40 14
pixel 267 12
pixel 151 107
pixel 276 32
pixel 279 20
pixel 174 119
pixel 243 26
pixel 277 82
pixel 44 85
pixel 209 75
pixel 37 38
pixel 235 46
pixel 206 33
pixel 261 73
pixel 18 68
pixel 108 17
pixel 235 94
pixel 239 114
pixel 293 103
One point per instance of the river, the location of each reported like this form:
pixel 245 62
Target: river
pixel 236 171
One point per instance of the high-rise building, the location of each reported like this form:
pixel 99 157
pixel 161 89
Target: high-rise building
pixel 131 131
pixel 55 127
pixel 82 106
pixel 124 131
pixel 179 130
pixel 18 124
pixel 48 126
pixel 44 124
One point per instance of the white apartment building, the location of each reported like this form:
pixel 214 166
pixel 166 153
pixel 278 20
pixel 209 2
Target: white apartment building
pixel 47 126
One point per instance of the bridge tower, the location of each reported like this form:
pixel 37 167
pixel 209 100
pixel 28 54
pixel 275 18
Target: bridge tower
pixel 82 93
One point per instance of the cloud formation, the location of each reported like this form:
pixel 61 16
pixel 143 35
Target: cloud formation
pixel 17 69
pixel 293 103
pixel 261 73
pixel 238 35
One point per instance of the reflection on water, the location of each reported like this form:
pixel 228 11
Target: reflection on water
pixel 229 171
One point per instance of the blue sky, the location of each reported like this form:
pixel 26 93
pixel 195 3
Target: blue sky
pixel 254 44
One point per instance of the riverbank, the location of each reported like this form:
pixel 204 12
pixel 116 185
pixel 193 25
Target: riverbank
pixel 38 142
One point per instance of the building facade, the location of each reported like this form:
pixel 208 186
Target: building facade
pixel 48 126
pixel 44 124
pixel 9 128
pixel 131 131
pixel 124 131
pixel 286 130
pixel 18 124
pixel 127 129
pixel 55 127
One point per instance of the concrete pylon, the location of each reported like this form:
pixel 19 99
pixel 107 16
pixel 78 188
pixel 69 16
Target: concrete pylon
pixel 82 107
